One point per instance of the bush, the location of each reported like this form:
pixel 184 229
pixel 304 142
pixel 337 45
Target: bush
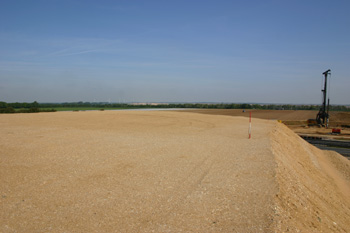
pixel 7 110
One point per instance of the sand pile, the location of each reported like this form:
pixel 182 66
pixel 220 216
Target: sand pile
pixel 164 171
pixel 314 186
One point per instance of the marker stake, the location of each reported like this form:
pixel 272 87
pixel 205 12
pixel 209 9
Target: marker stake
pixel 250 125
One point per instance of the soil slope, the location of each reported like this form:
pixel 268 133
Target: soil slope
pixel 314 186
pixel 130 171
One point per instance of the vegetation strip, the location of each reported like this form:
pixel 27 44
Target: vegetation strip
pixel 82 106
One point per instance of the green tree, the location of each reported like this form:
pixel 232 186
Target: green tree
pixel 3 105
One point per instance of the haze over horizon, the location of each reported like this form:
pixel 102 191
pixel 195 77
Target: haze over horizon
pixel 174 51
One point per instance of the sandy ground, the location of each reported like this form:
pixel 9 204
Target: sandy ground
pixel 284 115
pixel 120 171
pixel 336 118
pixel 314 186
pixel 294 119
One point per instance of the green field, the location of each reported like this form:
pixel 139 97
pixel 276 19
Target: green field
pixel 80 108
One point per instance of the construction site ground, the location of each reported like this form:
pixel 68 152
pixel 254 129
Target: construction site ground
pixel 296 120
pixel 164 171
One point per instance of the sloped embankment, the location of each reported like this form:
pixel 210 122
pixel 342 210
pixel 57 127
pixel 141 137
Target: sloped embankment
pixel 314 186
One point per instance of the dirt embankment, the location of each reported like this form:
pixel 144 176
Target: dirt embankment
pixel 314 186
pixel 165 171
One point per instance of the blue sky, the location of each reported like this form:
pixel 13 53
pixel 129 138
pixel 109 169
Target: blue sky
pixel 174 51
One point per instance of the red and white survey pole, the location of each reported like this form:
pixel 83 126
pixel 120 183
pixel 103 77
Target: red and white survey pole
pixel 250 125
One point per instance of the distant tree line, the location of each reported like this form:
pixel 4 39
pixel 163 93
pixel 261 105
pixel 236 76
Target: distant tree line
pixel 49 107
pixel 22 107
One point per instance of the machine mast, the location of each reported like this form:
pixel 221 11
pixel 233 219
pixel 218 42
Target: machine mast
pixel 322 116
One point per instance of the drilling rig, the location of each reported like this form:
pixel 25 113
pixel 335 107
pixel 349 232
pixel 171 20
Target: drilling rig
pixel 322 115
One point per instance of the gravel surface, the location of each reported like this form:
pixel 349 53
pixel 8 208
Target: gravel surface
pixel 314 186
pixel 134 171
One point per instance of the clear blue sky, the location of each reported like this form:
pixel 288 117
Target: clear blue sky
pixel 178 51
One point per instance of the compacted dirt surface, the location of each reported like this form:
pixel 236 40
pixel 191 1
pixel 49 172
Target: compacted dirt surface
pixel 161 171
pixel 284 115
pixel 296 120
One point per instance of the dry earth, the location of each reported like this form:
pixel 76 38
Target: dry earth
pixel 284 115
pixel 336 118
pixel 130 171
pixel 294 119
